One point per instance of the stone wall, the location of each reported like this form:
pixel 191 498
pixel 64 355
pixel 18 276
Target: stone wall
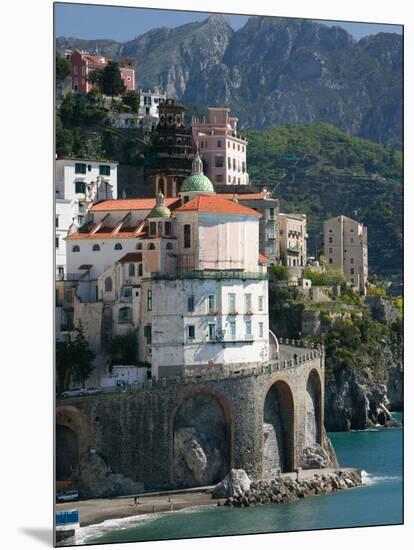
pixel 134 432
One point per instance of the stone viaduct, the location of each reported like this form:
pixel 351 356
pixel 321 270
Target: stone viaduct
pixel 190 431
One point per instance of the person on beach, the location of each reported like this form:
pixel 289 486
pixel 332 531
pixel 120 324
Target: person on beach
pixel 136 501
pixel 170 504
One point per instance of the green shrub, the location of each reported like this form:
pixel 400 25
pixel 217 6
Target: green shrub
pixel 280 273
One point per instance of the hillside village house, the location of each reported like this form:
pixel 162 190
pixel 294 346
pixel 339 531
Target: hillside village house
pixel 147 116
pixel 78 184
pixel 292 235
pixel 83 63
pixel 346 249
pixel 220 146
pixel 184 274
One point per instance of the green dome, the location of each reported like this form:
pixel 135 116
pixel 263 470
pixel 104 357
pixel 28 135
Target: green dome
pixel 160 211
pixel 197 182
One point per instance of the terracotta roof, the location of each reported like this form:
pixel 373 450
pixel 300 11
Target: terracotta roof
pixel 216 204
pixel 131 257
pixel 131 204
pixel 262 259
pixel 245 196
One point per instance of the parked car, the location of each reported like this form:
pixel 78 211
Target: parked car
pixel 67 496
pixel 73 392
pixel 93 391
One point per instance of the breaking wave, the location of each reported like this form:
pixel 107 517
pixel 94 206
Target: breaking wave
pixel 370 479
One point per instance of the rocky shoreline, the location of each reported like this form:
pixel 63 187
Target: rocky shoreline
pixel 284 489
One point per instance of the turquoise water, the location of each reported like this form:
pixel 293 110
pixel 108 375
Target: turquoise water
pixel 377 452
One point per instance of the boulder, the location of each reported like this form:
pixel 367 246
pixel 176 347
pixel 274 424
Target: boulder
pixel 314 457
pixel 235 484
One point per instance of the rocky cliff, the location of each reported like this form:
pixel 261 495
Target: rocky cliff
pixel 274 71
pixel 357 399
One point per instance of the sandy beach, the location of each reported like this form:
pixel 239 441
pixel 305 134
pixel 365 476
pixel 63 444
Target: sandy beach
pixel 97 510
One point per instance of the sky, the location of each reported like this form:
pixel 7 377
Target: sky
pixel 123 24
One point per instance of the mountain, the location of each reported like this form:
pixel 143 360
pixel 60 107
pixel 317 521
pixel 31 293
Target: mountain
pixel 273 71
pixel 329 173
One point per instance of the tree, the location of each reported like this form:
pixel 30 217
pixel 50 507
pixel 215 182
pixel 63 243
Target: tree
pixel 112 83
pixel 95 77
pixel 124 350
pixel 63 366
pixel 81 356
pixel 63 67
pixel 64 139
pixel 132 100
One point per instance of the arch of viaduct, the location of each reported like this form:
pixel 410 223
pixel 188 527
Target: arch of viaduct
pixel 135 432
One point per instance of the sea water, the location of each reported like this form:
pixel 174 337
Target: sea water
pixel 377 452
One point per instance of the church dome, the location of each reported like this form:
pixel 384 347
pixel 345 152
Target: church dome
pixel 160 210
pixel 197 181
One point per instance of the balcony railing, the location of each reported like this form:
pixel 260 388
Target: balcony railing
pixel 218 275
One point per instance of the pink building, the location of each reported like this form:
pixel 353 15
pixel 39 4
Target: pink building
pixel 220 146
pixel 83 63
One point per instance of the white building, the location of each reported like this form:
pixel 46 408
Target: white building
pixel 346 249
pixel 292 235
pixel 78 184
pixel 183 274
pixel 149 101
pixel 220 146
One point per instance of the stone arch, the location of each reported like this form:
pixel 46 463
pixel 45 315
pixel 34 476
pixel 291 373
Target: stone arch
pixel 313 409
pixel 74 437
pixel 201 439
pixel 278 429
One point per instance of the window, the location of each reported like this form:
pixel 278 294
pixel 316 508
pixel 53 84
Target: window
pixel 139 270
pixel 219 161
pixel 104 170
pixel 187 236
pixel 219 145
pixel 81 219
pixel 108 284
pixel 219 178
pixel 234 165
pixel 75 248
pixel 75 69
pixel 81 208
pixel 211 302
pixel 234 145
pixel 212 331
pixel 57 221
pixel 232 303
pixel 80 187
pixel 149 300
pixel 153 228
pixel 190 303
pixel 352 239
pixel 125 315
pixel 148 333
pixel 139 246
pixel 167 228
pixel 351 260
pixel 229 163
pixel 260 303
pixel 248 329
pixel 330 250
pixel 330 240
pixel 151 246
pixel 169 246
pixel 352 280
pixel 229 179
pixel 57 242
pixel 352 271
pixel 271 213
pixel 131 270
pixel 89 167
pixel 238 181
pixel 260 330
pixel 248 302
pixel 191 331
pixel 330 260
pixel 232 330
pixel 118 246
pixel 80 168
pixel 238 146
pixel 272 232
pixel 96 248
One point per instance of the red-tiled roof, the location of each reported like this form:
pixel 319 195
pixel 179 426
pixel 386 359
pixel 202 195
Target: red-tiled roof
pixel 262 259
pixel 216 204
pixel 131 257
pixel 131 204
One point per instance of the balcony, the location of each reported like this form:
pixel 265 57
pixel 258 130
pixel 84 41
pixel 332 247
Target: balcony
pixel 217 275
